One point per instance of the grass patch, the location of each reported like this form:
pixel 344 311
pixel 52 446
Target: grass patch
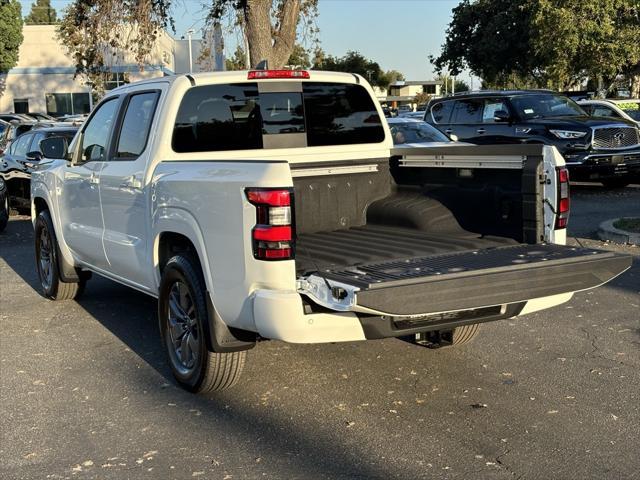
pixel 628 224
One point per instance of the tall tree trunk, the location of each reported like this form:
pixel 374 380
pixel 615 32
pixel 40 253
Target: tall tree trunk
pixel 267 42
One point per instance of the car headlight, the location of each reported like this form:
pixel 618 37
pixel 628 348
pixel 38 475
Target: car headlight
pixel 568 134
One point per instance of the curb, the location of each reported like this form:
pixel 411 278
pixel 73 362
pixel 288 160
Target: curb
pixel 606 231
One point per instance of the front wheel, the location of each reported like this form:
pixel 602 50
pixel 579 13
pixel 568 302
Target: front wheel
pixel 47 262
pixel 182 313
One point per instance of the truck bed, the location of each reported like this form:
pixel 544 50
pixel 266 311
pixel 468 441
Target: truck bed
pixel 375 243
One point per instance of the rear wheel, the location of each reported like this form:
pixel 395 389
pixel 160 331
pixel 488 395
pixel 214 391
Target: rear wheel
pixel 616 183
pixel 47 262
pixel 182 312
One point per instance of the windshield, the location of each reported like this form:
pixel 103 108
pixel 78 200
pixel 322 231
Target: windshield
pixel 545 105
pixel 416 132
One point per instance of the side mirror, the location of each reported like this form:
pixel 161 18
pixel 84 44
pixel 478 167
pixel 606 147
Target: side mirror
pixel 454 137
pixel 55 148
pixel 34 156
pixel 501 116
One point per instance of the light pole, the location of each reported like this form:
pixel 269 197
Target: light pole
pixel 189 33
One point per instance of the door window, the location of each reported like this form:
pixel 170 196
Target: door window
pixel 96 133
pixel 467 111
pixel 491 106
pixel 601 111
pixel 441 112
pixel 37 138
pixel 21 146
pixel 136 124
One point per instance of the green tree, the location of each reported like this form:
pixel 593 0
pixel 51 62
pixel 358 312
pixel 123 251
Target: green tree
pixel 42 13
pixel 236 62
pixel 546 43
pixel 392 76
pixel 489 37
pixel 299 57
pixel 10 34
pixel 578 39
pixel 354 62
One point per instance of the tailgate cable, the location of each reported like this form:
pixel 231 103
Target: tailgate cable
pixel 338 293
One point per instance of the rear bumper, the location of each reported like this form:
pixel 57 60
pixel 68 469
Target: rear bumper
pixel 438 292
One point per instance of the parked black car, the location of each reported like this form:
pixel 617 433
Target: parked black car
pixel 16 165
pixel 595 148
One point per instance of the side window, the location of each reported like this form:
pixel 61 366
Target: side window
pixel 600 111
pixel 467 111
pixel 22 145
pixel 491 106
pixel 441 112
pixel 96 133
pixel 136 124
pixel 35 144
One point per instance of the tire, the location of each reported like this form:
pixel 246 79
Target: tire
pixel 182 314
pixel 464 334
pixel 47 264
pixel 4 206
pixel 616 183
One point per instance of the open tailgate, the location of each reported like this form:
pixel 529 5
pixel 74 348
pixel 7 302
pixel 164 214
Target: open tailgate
pixel 464 280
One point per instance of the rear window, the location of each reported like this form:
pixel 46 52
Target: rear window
pixel 239 117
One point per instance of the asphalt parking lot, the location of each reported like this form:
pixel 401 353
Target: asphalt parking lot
pixel 85 391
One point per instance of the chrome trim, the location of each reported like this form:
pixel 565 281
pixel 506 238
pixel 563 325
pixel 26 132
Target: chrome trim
pixel 315 172
pixel 614 125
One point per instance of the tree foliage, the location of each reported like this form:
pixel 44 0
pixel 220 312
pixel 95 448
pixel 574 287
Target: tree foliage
pixel 10 33
pixel 270 27
pixel 547 43
pixel 299 57
pixel 354 62
pixel 98 33
pixel 42 13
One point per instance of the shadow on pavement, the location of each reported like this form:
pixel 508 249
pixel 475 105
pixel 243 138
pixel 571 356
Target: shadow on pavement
pixel 131 317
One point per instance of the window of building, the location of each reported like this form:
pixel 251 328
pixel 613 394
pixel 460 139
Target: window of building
pixel 115 80
pixel 21 105
pixel 60 104
pixel 430 89
pixel 136 124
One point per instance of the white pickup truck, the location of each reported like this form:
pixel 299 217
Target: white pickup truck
pixel 271 205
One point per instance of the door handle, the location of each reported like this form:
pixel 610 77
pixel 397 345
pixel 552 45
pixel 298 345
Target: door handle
pixel 94 179
pixel 448 131
pixel 480 130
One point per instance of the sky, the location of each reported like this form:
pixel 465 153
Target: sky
pixel 398 34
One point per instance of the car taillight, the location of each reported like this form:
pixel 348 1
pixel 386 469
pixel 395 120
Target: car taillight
pixel 562 210
pixel 259 74
pixel 274 233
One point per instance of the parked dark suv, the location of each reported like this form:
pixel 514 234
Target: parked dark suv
pixel 595 148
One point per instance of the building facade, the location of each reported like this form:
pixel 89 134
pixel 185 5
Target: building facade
pixel 43 80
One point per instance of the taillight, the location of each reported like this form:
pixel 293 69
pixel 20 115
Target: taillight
pixel 562 210
pixel 259 74
pixel 274 233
